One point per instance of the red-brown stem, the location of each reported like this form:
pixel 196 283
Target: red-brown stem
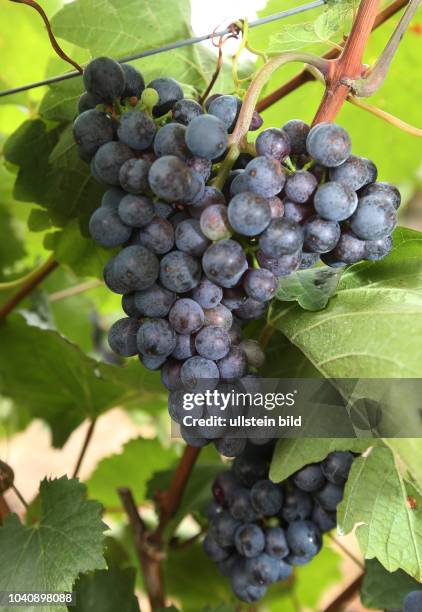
pixel 27 287
pixel 4 509
pixel 170 500
pixel 84 448
pixel 57 48
pixel 349 64
pixel 305 76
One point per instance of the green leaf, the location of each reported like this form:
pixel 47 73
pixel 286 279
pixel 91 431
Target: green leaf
pixel 82 255
pixel 310 288
pixel 70 531
pixel 379 301
pixel 134 26
pixel 131 468
pixel 107 590
pixel 409 453
pixel 62 385
pixel 38 220
pixel 382 589
pixel 61 100
pixel 11 246
pixel 291 455
pixel 376 505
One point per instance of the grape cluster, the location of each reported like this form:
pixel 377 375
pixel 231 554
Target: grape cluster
pixel 258 530
pixel 197 262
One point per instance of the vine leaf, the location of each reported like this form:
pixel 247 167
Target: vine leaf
pixel 409 453
pixel 126 470
pixel 291 455
pixel 382 589
pixel 371 328
pixel 62 385
pixel 310 288
pixel 107 590
pixel 299 35
pixel 376 504
pixel 70 529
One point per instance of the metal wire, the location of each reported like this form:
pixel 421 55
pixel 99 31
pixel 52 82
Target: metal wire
pixel 175 45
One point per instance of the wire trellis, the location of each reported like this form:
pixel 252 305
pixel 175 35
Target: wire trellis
pixel 171 46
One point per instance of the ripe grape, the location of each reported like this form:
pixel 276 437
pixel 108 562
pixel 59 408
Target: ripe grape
pixel 186 110
pixel 297 212
pixel 263 570
pixel 170 178
pixel 297 132
pixel 276 543
pixel 249 214
pixel 219 316
pixel 310 478
pixel 378 249
pixel 251 310
pixel 214 222
pixel 122 337
pixel 199 374
pixel 283 237
pixel 335 201
pixel 374 218
pixel 329 496
pixel 169 92
pixel 170 375
pixel 230 447
pixel 137 130
pixel 297 506
pixel 224 263
pixel 190 239
pixel 170 140
pixel 413 602
pixel 108 160
pixel 186 316
pixel 133 176
pixel 387 192
pixel 260 285
pixel 134 82
pixel 328 144
pixel 304 538
pixel 155 301
pixel 185 347
pixel 227 109
pixel 355 172
pixel 349 248
pixel 321 235
pixel 156 338
pixel 266 177
pixel 212 342
pixel 233 365
pixel 280 266
pixel 326 521
pixel 336 467
pixel 249 540
pixel 179 272
pixel 91 130
pixel 136 268
pixel 240 506
pixel 136 211
pixel 157 236
pixel 300 186
pixel 214 550
pixel 206 136
pixel 107 228
pixel 207 294
pixel 104 80
pixel 266 498
pixel 274 144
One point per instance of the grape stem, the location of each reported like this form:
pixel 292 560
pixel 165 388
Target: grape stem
pixel 378 112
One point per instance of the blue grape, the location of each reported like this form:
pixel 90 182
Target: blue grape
pixel 212 342
pixel 335 201
pixel 280 266
pixel 355 172
pixel 112 280
pixel 170 375
pixel 243 589
pixel 186 316
pixel 255 356
pixel 374 218
pixel 304 539
pixel 163 209
pixel 190 239
pixel 196 189
pixel 325 521
pixel 157 236
pixel 136 267
pixel 129 306
pixel 199 374
pixel 234 297
pixel 224 263
pixel 336 467
pixel 225 486
pixel 213 510
pixel 186 110
pixel 230 447
pixel 107 228
pixel 285 570
pixel 192 436
pixel 136 211
pixel 249 540
pixel 133 176
pixel 207 294
pixel 85 102
pixel 206 136
pixel 104 80
pixel 297 132
pixel 263 570
pixel 233 365
pixel 249 214
pixel 239 184
pixel 266 177
pixel 227 109
pixel 155 301
pixel 413 602
pixel 214 222
pixel 266 498
pixel 296 212
pixel 152 363
pixel 251 310
pixel 260 284
pixel 170 178
pixel 137 130
pixel 386 191
pixel 112 197
pixel 274 144
pixel 249 468
pixel 203 168
pixel 134 82
pixel 91 130
pixel 331 260
pixel 156 338
pixel 309 478
pixel 308 260
pixel 185 347
pixel 329 496
pixel 349 248
pixel 297 506
pixel 256 122
pixel 169 92
pixel 282 237
pixel 210 196
pixel 276 543
pixel 378 249
pixel 220 316
pixel 321 235
pixel 122 337
pixel 276 207
pixel 328 144
pixel 108 160
pixel 223 528
pixel 179 272
pixel 170 140
pixel 213 550
pixel 240 506
pixel 300 186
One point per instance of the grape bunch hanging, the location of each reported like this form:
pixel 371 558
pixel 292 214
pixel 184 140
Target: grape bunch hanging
pixel 200 256
pixel 258 530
